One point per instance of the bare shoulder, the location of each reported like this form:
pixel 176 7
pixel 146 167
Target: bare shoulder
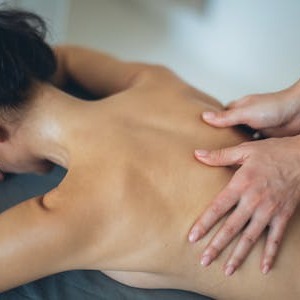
pixel 156 74
pixel 164 78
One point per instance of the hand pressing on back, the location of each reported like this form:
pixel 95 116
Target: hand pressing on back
pixel 274 114
pixel 265 190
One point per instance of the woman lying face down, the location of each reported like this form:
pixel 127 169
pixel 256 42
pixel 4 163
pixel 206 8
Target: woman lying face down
pixel 133 187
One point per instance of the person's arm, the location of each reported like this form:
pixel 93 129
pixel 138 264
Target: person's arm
pixel 36 240
pixel 98 73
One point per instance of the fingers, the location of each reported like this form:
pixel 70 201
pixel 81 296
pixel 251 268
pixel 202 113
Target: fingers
pixel 225 118
pixel 245 243
pixel 223 157
pixel 263 195
pixel 219 207
pixel 275 235
pixel 262 217
pixel 281 131
pixel 223 237
pixel 227 232
pixel 248 110
pixel 228 197
pixel 242 101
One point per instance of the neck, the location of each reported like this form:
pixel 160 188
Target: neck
pixel 44 130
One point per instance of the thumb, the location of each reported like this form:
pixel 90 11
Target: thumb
pixel 225 118
pixel 242 101
pixel 222 157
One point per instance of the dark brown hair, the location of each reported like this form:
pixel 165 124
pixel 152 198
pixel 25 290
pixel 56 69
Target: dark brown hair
pixel 25 57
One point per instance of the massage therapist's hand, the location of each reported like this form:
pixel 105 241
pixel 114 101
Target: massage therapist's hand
pixel 265 190
pixel 274 114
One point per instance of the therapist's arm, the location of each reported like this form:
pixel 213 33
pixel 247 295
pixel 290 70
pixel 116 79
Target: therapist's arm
pixel 98 73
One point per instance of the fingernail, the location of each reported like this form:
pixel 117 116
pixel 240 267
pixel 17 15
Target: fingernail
pixel 207 252
pixel 229 270
pixel 208 115
pixel 205 260
pixel 201 153
pixel 196 234
pixel 193 236
pixel 265 269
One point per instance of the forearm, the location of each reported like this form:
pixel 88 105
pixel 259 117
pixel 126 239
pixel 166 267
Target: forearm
pixel 98 73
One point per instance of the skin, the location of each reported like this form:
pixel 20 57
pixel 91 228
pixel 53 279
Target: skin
pixel 265 187
pixel 132 191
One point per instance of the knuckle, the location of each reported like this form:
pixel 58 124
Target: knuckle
pixel 219 154
pixel 274 242
pixel 248 177
pixel 222 114
pixel 251 148
pixel 273 206
pixel 247 208
pixel 261 219
pixel 234 187
pixel 286 214
pixel 266 209
pixel 216 210
pixel 248 238
pixel 263 184
pixel 229 229
pixel 245 149
pixel 236 260
pixel 271 251
pixel 214 249
pixel 243 152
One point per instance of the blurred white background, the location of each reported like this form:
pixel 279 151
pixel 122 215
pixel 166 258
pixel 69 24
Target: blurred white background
pixel 227 48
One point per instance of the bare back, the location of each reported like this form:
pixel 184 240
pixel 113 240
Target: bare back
pixel 140 189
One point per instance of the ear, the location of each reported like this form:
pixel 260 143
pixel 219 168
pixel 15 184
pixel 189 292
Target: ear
pixel 4 134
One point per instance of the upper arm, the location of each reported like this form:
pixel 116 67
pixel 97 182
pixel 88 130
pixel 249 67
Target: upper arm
pixel 35 241
pixel 99 73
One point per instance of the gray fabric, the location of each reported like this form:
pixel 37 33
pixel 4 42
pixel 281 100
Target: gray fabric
pixel 90 285
pixel 74 285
